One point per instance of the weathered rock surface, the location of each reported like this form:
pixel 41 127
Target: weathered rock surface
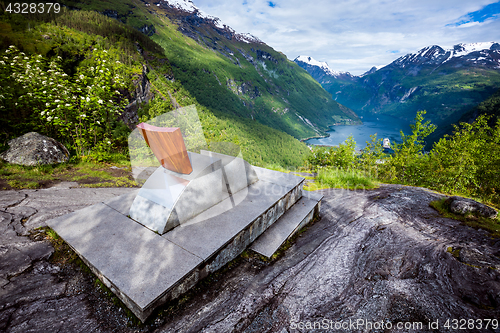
pixel 36 295
pixel 33 148
pixel 141 94
pixel 382 256
pixel 459 205
pixel 38 206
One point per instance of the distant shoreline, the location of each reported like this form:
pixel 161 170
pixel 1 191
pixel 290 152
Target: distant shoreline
pixel 315 137
pixel 331 128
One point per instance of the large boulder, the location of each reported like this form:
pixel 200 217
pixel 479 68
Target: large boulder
pixel 459 205
pixel 33 149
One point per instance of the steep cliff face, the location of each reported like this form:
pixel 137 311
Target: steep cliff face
pixel 141 94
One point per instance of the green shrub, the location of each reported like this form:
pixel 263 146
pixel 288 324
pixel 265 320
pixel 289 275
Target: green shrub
pixel 80 108
pixel 371 156
pixel 342 156
pixel 467 162
pixel 405 164
pixel 464 163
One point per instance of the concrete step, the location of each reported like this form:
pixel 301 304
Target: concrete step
pixel 300 214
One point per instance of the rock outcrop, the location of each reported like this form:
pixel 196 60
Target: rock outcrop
pixel 459 205
pixel 33 149
pixel 141 94
pixel 378 257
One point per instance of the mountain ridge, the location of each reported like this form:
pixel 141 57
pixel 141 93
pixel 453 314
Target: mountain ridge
pixel 488 53
pixel 323 65
pixel 245 92
pixel 428 53
pixel 189 7
pixel 445 82
pixel 250 78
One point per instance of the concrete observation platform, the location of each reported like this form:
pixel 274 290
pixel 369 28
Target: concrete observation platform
pixel 145 269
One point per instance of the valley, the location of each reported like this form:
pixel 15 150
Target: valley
pixel 387 246
pixel 383 126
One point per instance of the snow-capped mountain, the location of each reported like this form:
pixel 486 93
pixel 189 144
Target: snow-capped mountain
pixel 312 62
pixel 445 82
pixel 304 61
pixel 189 7
pixel 320 71
pixel 464 49
pixel 372 70
pixel 472 54
pixel 486 54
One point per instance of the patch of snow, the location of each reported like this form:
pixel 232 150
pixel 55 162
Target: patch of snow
pixel 306 121
pixel 312 62
pixel 185 5
pixel 248 38
pixel 188 6
pixel 217 22
pixel 464 49
pixel 370 71
pixel 449 57
pixel 458 50
pixel 408 94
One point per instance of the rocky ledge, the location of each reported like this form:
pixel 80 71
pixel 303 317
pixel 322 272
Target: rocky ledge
pixel 378 257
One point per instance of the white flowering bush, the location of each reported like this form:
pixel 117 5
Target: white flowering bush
pixel 79 109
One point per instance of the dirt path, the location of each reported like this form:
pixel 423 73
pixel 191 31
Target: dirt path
pixel 382 256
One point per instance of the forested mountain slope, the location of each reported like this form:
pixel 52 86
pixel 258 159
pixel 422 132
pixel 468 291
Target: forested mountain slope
pixel 232 73
pixel 245 91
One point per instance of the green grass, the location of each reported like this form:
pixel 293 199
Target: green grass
pixel 24 177
pixel 23 185
pixel 52 234
pixel 87 174
pixel 346 179
pixel 472 220
pixel 117 182
pixel 276 167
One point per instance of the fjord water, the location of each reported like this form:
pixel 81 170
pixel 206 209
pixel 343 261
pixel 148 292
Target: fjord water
pixel 384 126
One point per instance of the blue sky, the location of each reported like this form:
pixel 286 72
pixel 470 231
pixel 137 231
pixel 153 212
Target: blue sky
pixel 354 35
pixel 487 13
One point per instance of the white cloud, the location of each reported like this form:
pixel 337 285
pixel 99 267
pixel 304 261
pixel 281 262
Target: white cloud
pixel 469 24
pixel 354 35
